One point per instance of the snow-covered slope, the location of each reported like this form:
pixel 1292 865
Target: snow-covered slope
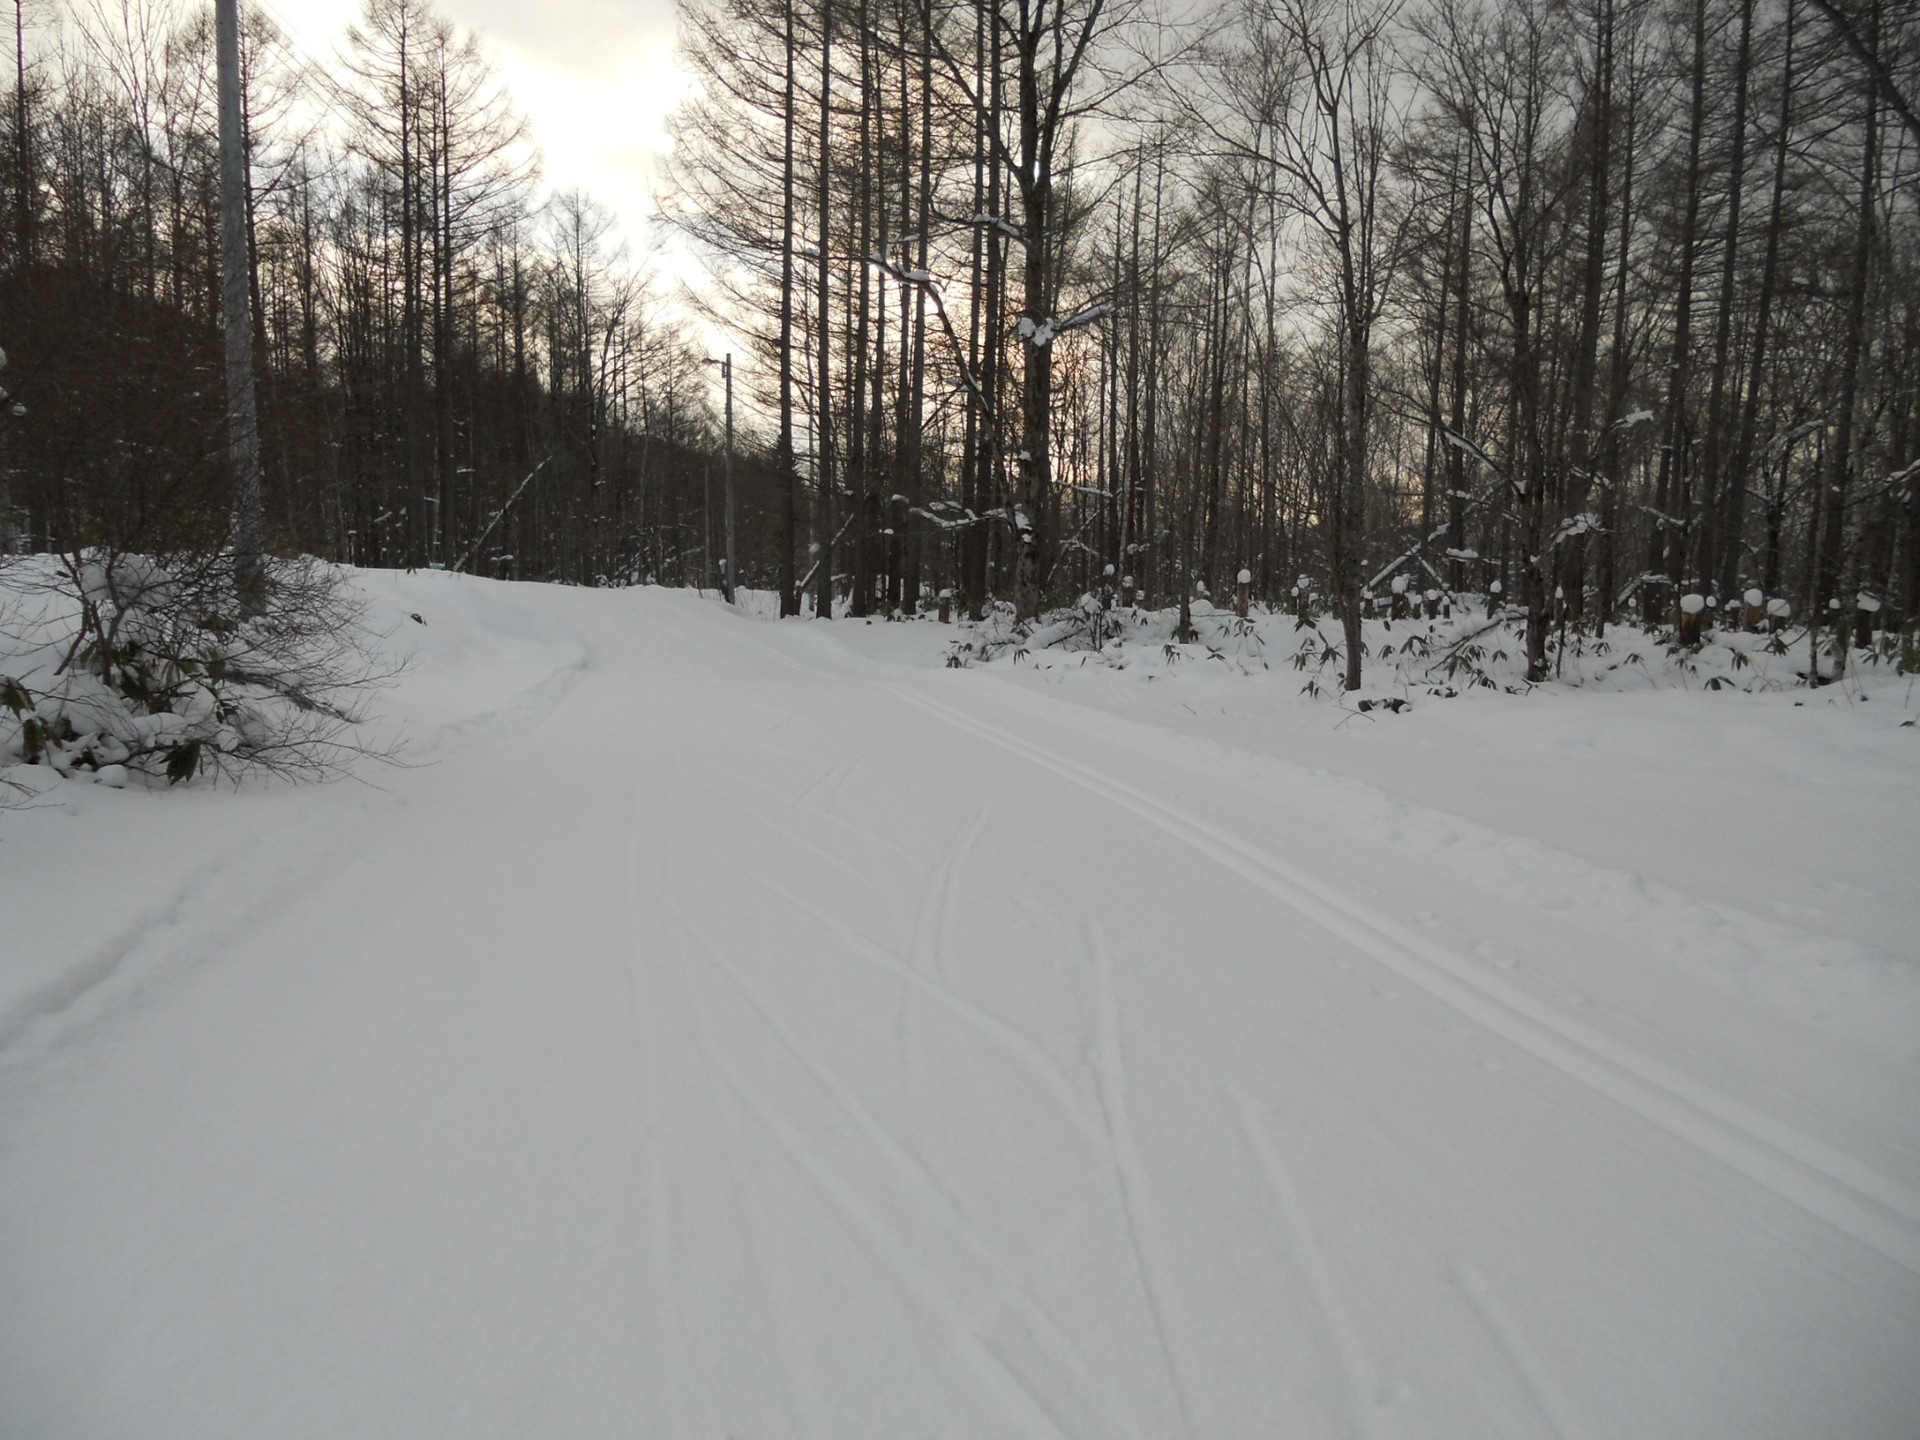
pixel 735 1028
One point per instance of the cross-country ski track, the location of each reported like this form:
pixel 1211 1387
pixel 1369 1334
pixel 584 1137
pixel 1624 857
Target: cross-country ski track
pixel 725 1032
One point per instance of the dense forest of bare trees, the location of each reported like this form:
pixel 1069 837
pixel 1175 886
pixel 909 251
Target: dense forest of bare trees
pixel 1591 307
pixel 426 337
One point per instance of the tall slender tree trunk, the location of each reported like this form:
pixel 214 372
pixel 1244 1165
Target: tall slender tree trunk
pixel 236 290
pixel 975 438
pixel 862 427
pixel 26 183
pixel 1734 492
pixel 1667 553
pixel 1619 375
pixel 1570 566
pixel 1457 416
pixel 823 322
pixel 1717 474
pixel 916 415
pixel 1838 480
pixel 783 446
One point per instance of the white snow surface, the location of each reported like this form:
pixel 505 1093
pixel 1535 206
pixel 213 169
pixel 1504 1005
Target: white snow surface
pixel 725 1027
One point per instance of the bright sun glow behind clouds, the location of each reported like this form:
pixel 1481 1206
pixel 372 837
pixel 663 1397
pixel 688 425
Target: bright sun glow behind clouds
pixel 595 79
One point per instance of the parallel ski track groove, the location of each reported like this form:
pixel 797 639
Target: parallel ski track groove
pixel 925 1195
pixel 1357 1371
pixel 1851 1196
pixel 1838 1189
pixel 1547 1395
pixel 1144 1229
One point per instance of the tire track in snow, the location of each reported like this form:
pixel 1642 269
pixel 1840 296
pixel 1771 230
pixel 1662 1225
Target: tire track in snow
pixel 1359 1376
pixel 1846 1193
pixel 1136 1191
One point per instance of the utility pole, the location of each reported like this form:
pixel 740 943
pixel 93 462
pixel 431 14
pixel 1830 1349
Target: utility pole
pixel 726 374
pixel 236 294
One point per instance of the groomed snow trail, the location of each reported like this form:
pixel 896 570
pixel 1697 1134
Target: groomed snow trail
pixel 735 1037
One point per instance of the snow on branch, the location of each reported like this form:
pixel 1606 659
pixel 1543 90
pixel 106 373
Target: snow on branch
pixel 1461 442
pixel 923 281
pixel 1001 223
pixel 1042 333
pixel 1574 526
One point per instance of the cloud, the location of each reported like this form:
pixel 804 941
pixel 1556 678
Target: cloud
pixel 591 40
pixel 595 79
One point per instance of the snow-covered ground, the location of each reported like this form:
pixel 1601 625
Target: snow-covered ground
pixel 732 1028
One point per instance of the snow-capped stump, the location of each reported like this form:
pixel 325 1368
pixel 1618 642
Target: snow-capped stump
pixel 1866 619
pixel 1243 594
pixel 1693 616
pixel 1756 612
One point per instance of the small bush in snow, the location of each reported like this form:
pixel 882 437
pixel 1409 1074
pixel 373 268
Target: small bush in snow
pixel 115 663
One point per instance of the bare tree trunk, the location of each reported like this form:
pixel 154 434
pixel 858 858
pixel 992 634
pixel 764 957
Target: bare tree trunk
pixel 823 393
pixel 1570 567
pixel 977 439
pixel 1457 419
pixel 1734 495
pixel 1716 550
pixel 783 452
pixel 1668 550
pixel 916 417
pixel 25 183
pixel 243 423
pixel 1837 482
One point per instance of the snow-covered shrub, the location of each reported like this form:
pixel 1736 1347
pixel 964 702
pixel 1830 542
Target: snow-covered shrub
pixel 121 663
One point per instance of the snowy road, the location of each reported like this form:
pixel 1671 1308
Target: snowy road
pixel 736 1036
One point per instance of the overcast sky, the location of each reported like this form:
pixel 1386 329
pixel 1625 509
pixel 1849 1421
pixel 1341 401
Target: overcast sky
pixel 595 79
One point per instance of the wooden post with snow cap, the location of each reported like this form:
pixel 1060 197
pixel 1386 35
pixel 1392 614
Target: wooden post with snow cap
pixel 1243 594
pixel 946 607
pixel 1756 610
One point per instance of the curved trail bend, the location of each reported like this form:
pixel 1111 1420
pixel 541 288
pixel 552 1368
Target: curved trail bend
pixel 763 1042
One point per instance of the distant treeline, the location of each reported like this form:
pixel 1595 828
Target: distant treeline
pixel 425 337
pixel 1603 302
